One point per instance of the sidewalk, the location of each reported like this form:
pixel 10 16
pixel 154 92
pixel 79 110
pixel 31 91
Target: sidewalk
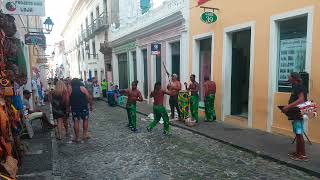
pixel 37 163
pixel 264 144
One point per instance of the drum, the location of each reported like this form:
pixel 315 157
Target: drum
pixel 184 104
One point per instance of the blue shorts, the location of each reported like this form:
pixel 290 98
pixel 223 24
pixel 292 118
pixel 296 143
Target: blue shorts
pixel 82 114
pixel 297 127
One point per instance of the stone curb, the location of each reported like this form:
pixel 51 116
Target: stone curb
pixel 266 156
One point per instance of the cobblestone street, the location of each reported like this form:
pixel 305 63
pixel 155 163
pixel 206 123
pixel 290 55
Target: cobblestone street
pixel 113 152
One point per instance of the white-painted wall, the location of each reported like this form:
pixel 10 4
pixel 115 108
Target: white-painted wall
pixel 71 32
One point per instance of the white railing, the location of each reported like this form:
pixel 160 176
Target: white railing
pixel 165 10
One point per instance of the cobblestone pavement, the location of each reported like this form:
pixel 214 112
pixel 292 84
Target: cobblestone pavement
pixel 114 152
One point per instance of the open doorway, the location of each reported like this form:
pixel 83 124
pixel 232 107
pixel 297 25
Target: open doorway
pixel 145 72
pixel 175 57
pixel 123 71
pixel 134 62
pixel 158 68
pixel 240 72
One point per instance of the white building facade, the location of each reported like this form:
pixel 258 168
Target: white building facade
pixel 164 24
pixel 83 35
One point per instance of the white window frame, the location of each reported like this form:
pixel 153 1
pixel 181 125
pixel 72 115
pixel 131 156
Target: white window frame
pixel 227 72
pixel 273 52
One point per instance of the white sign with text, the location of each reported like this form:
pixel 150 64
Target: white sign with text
pixel 24 7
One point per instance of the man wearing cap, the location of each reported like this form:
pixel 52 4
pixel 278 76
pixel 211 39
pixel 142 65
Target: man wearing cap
pixel 35 114
pixel 174 87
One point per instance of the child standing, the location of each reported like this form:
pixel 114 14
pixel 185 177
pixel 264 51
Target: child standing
pixel 158 109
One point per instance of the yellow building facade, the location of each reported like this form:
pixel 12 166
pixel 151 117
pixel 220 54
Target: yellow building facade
pixel 249 51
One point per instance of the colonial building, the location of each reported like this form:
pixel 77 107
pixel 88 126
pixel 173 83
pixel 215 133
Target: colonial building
pixel 161 26
pixel 249 51
pixel 83 35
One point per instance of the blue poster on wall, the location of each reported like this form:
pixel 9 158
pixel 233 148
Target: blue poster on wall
pixel 144 5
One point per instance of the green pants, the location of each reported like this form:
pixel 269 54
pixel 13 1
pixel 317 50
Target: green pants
pixel 160 112
pixel 209 108
pixel 194 107
pixel 132 115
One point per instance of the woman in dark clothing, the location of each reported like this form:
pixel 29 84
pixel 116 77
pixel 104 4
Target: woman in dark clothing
pixel 59 102
pixel 79 100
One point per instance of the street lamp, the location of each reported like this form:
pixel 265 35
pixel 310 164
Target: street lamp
pixel 48 24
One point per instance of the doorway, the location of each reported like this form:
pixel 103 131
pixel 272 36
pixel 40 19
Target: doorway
pixel 123 71
pixel 238 63
pixel 158 68
pixel 240 73
pixel 145 72
pixel 96 74
pixel 175 57
pixel 204 64
pixel 134 62
pixel 90 74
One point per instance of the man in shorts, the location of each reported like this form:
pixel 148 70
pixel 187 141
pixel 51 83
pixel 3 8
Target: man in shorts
pixel 35 114
pixel 298 96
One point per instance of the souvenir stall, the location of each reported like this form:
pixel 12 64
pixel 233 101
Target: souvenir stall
pixel 10 100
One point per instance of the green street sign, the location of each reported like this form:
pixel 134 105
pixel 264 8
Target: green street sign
pixel 209 17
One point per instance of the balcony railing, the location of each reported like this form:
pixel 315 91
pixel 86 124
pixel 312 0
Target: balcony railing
pixel 98 25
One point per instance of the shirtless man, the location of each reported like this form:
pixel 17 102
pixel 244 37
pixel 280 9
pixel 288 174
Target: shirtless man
pixel 194 99
pixel 174 88
pixel 134 95
pixel 159 110
pixel 209 94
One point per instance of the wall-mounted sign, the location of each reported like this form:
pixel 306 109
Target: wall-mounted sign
pixel 42 60
pixel 24 7
pixel 35 39
pixel 209 17
pixel 155 49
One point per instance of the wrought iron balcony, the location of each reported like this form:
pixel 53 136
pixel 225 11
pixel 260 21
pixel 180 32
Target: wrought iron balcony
pixel 100 23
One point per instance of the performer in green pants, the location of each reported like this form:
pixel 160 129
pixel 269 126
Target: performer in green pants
pixel 132 115
pixel 194 99
pixel 158 109
pixel 209 92
pixel 134 95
